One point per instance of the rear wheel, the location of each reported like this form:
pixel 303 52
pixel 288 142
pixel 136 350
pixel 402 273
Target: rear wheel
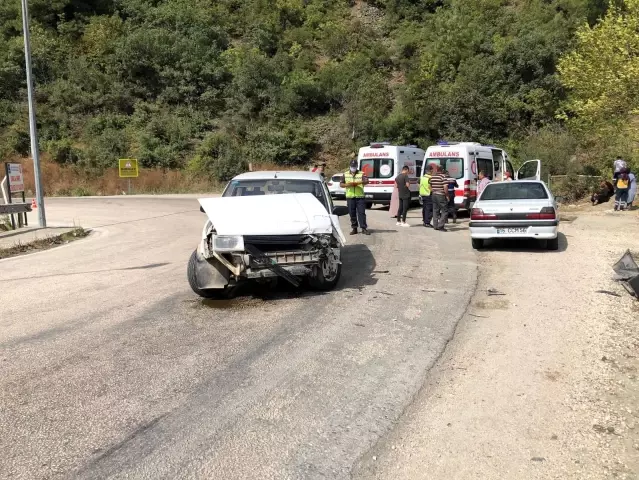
pixel 477 243
pixel 213 293
pixel 553 244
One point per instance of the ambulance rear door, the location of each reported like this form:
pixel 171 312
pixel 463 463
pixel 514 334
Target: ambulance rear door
pixel 457 159
pixel 379 162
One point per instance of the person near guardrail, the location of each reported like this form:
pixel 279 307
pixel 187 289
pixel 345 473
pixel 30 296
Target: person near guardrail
pixel 632 188
pixel 618 165
pixel 353 183
pixel 622 185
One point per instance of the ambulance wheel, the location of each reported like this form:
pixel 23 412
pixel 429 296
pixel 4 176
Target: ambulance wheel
pixel 478 243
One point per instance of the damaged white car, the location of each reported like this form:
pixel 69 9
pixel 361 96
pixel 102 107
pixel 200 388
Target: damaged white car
pixel 268 225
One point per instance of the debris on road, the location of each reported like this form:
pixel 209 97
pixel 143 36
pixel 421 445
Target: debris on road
pixel 494 291
pixel 608 292
pixel 627 272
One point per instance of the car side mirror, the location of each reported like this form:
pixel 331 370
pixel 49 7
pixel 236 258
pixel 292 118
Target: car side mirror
pixel 202 209
pixel 340 210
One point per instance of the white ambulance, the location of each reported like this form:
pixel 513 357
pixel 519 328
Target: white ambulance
pixel 464 160
pixel 382 162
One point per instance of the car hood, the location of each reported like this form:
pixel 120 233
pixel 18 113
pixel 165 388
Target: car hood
pixel 284 214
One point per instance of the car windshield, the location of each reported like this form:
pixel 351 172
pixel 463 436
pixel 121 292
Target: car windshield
pixel 274 186
pixel 514 191
pixel 454 166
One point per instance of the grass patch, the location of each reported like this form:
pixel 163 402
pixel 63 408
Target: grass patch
pixel 44 243
pixel 5 223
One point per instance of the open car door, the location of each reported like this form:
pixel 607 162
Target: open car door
pixel 530 170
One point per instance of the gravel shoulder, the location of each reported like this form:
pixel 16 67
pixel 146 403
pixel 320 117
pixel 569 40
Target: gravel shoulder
pixel 538 383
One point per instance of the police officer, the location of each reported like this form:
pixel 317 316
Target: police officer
pixel 353 183
pixel 427 200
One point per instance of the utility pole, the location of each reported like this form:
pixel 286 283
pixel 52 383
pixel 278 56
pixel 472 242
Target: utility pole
pixel 35 153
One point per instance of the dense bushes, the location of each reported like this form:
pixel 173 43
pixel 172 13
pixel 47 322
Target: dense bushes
pixel 214 85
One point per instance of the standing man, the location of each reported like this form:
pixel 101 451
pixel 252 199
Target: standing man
pixel 452 185
pixel 439 192
pixel 403 192
pixel 483 181
pixel 353 183
pixel 427 200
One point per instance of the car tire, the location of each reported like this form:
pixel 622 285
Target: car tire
pixel 210 293
pixel 478 243
pixel 369 205
pixel 553 244
pixel 318 280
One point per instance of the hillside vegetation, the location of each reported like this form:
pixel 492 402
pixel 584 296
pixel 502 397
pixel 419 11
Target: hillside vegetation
pixel 208 86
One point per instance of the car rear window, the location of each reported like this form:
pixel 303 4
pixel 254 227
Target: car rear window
pixel 514 191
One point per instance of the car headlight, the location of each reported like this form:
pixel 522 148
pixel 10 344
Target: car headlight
pixel 228 243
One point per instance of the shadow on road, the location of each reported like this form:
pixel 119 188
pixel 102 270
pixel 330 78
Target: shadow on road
pixel 523 245
pixel 358 265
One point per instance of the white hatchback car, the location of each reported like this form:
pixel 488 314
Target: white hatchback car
pixel 337 192
pixel 516 209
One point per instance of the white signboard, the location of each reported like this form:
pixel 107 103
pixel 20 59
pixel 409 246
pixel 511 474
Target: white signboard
pixel 16 179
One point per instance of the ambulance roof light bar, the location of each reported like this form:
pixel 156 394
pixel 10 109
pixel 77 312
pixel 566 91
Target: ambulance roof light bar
pixel 379 144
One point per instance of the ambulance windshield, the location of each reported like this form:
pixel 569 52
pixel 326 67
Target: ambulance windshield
pixel 454 166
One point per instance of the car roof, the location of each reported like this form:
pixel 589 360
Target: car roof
pixel 282 175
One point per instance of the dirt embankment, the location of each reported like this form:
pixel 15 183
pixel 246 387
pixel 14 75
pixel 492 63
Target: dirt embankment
pixel 540 382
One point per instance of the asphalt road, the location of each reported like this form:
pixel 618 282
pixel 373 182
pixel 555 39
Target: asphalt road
pixel 111 367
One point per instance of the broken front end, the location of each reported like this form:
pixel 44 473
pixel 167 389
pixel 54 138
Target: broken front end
pixel 225 260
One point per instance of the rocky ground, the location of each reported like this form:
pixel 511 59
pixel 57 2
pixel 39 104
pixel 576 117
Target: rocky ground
pixel 540 382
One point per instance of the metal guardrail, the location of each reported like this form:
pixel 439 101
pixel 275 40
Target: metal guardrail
pixel 19 209
pixel 12 208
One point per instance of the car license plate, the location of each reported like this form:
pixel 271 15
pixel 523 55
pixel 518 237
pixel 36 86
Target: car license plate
pixel 370 195
pixel 512 230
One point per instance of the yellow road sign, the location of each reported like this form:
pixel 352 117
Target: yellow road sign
pixel 128 167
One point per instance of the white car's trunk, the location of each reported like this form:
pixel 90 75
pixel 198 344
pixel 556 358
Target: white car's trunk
pixel 512 206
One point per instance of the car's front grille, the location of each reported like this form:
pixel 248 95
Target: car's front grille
pixel 272 243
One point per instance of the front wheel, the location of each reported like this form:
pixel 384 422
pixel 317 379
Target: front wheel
pixel 211 293
pixel 477 243
pixel 325 275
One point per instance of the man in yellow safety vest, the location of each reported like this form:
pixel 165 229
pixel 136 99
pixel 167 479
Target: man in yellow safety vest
pixel 353 183
pixel 427 200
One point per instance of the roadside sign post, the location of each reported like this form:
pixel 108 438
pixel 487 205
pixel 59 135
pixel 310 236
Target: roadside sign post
pixel 15 185
pixel 35 153
pixel 128 168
